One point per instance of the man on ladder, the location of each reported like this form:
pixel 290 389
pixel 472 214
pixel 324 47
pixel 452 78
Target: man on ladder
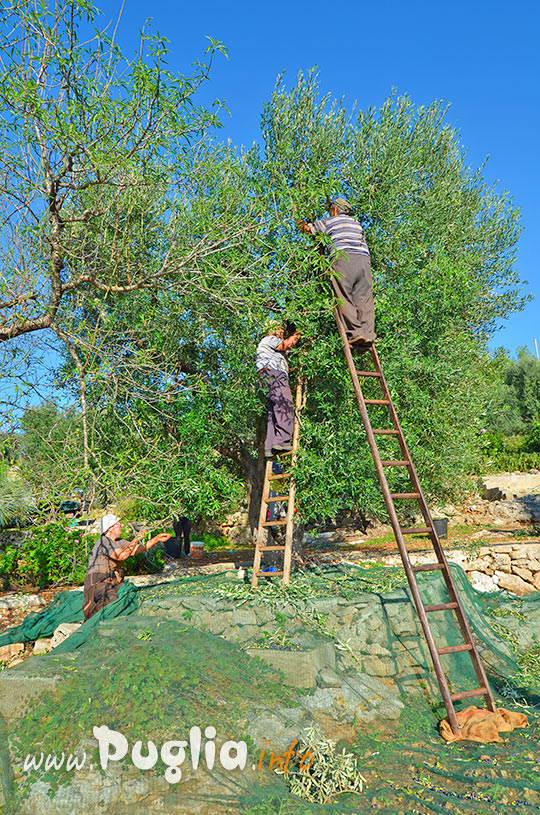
pixel 355 321
pixel 281 440
pixel 351 267
pixel 273 370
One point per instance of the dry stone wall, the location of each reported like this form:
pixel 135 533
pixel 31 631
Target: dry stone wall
pixel 514 567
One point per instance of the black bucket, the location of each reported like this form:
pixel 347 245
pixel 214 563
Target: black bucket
pixel 441 527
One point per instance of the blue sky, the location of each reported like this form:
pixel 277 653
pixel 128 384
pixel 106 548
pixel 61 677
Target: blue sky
pixel 479 56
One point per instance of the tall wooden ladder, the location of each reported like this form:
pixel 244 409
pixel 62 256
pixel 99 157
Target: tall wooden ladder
pixel 353 352
pixel 288 460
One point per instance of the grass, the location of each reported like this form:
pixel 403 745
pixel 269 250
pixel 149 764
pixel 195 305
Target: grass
pixel 213 542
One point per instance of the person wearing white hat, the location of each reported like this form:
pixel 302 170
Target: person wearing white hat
pixel 105 574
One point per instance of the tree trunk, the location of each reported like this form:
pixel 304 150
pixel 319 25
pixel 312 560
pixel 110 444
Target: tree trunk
pixel 253 468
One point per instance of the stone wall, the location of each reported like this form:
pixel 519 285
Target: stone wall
pixel 514 567
pixel 374 641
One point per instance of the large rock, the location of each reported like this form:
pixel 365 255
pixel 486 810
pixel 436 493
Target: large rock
pixel 23 684
pixel 279 728
pixel 16 601
pixel 299 668
pixel 63 631
pixel 327 678
pixel 492 494
pixel 533 551
pixel 513 485
pixel 42 646
pixel 483 564
pixel 361 697
pixel 524 510
pixel 501 562
pixel 523 563
pixel 524 573
pixel 482 582
pixel 513 583
pixel 7 652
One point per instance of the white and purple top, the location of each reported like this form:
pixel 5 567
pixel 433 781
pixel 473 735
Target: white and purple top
pixel 345 232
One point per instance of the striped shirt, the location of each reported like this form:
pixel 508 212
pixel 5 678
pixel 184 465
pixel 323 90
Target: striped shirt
pixel 345 233
pixel 268 357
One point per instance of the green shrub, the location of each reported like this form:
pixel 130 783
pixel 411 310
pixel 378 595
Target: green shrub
pixel 51 555
pixel 532 441
pixel 509 453
pixel 212 541
pixel 152 562
pixel 54 555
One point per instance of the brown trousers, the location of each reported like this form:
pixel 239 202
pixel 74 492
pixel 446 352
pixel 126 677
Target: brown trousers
pixel 99 591
pixel 280 425
pixel 351 281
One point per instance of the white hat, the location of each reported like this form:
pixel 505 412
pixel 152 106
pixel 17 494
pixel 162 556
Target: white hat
pixel 107 521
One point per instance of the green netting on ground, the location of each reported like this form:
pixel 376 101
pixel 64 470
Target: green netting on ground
pixel 152 673
pixel 67 608
pixel 499 621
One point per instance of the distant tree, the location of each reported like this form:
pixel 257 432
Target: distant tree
pixel 51 450
pixel 522 378
pixel 514 405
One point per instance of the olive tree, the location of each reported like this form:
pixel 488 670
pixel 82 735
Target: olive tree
pixel 86 133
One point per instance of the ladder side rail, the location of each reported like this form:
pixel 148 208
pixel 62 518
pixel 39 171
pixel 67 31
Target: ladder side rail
pixel 468 637
pixel 441 678
pixel 289 531
pixel 262 534
pixel 437 546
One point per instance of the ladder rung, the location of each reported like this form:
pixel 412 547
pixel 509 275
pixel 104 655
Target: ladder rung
pixel 275 523
pixel 453 649
pixel 421 530
pixel 377 401
pixel 369 373
pixel 277 498
pixel 441 607
pixel 279 477
pixel 386 432
pixel 271 548
pixel 269 574
pixel 405 494
pixel 428 567
pixel 395 463
pixel 466 693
